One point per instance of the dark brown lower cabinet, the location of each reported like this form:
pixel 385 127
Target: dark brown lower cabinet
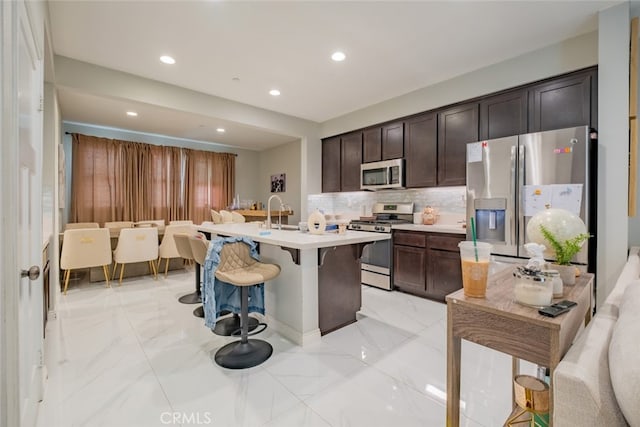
pixel 339 289
pixel 409 264
pixel 427 264
pixel 445 273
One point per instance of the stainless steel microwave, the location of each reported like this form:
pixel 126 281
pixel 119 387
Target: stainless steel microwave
pixel 382 175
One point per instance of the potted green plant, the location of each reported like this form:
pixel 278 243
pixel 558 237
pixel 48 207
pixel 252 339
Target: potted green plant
pixel 564 251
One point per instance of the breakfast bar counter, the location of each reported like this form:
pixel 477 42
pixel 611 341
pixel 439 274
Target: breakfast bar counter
pixel 318 289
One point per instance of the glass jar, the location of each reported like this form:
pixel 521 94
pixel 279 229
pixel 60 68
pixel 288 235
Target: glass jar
pixel 532 288
pixel 554 277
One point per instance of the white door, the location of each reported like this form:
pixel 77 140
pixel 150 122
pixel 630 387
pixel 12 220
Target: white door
pixel 21 229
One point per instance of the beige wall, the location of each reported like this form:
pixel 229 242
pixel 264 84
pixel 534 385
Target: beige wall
pixel 282 159
pixel 613 146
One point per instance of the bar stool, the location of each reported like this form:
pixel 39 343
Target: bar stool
pixel 224 326
pixel 184 249
pixel 238 268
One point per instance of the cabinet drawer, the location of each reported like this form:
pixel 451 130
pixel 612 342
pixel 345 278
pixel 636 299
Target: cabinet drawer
pixel 408 238
pixel 445 243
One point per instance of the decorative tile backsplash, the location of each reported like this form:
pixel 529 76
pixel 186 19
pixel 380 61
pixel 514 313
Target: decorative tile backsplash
pixel 446 200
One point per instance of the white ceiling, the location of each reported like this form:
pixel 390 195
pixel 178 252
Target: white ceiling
pixel 392 48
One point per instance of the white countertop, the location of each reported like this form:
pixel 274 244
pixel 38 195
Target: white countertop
pixel 293 238
pixel 436 228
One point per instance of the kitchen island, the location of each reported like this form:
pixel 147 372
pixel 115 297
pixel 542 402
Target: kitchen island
pixel 318 289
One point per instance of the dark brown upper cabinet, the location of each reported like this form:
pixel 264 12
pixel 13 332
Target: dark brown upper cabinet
pixel 503 115
pixel 555 103
pixel 562 103
pixel 393 141
pixel 421 151
pixel 457 126
pixel 331 165
pixel 372 145
pixel 350 162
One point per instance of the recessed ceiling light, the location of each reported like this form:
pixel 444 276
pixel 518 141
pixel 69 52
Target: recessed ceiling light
pixel 274 92
pixel 338 56
pixel 167 59
pixel 132 113
pixel 220 130
pixel 236 79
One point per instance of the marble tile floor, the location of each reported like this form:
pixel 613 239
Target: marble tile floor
pixel 132 355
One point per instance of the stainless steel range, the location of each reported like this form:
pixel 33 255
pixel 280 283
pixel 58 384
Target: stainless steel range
pixel 377 258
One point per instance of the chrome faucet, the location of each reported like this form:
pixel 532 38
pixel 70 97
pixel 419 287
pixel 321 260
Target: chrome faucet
pixel 279 211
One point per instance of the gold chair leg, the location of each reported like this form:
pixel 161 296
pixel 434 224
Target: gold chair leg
pixel 121 273
pixel 106 275
pixel 67 274
pixel 166 267
pixel 152 269
pixel 113 273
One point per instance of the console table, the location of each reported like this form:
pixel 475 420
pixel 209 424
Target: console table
pixel 261 215
pixel 500 323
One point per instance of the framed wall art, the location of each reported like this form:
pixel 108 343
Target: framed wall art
pixel 278 183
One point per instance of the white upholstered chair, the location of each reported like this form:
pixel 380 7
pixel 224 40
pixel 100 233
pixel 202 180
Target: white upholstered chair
pixel 118 224
pixel 236 217
pixel 76 225
pixel 137 245
pixel 168 248
pixel 216 217
pixel 150 223
pixel 226 216
pixel 181 222
pixel 85 248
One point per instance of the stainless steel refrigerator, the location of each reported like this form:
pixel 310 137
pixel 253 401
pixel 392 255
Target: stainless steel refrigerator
pixel 510 179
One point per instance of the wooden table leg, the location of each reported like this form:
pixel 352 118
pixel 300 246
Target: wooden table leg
pixel 515 370
pixel 453 374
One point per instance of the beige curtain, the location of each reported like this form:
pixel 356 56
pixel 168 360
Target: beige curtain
pixel 210 178
pixel 128 181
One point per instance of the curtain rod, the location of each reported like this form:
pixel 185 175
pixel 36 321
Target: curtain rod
pixel 71 133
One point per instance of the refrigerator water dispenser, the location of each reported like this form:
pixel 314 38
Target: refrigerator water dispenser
pixel 490 219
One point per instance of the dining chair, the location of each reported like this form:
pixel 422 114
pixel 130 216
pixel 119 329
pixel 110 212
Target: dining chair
pixel 181 222
pixel 226 216
pixel 150 223
pixel 76 225
pixel 216 217
pixel 168 248
pixel 119 224
pixel 85 248
pixel 137 245
pixel 236 217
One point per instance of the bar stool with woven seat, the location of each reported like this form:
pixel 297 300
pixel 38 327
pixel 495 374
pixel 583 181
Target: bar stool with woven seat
pixel 238 268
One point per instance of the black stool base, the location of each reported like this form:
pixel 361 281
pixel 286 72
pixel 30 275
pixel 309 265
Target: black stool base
pixel 229 325
pixel 199 312
pixel 239 355
pixel 192 298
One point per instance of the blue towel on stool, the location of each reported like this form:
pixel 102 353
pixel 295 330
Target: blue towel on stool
pixel 217 295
